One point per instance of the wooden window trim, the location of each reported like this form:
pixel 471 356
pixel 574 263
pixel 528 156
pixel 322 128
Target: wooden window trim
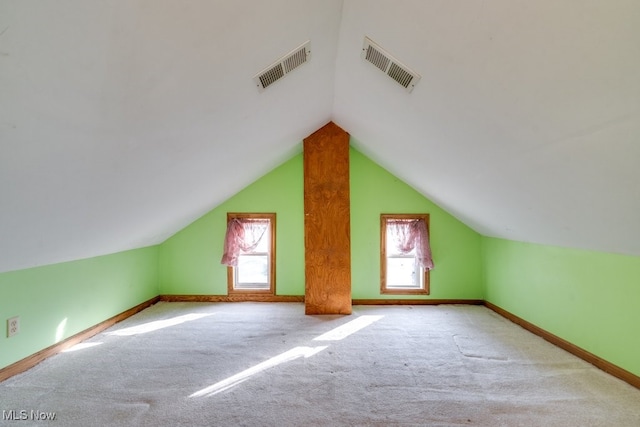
pixel 426 290
pixel 272 252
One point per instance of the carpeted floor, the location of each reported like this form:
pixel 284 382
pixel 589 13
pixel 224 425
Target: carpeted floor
pixel 253 364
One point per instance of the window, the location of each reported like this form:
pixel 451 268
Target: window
pixel 405 254
pixel 249 253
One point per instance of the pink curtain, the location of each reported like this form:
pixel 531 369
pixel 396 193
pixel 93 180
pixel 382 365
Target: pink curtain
pixel 407 235
pixel 242 234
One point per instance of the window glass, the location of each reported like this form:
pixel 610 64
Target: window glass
pixel 402 272
pixel 252 271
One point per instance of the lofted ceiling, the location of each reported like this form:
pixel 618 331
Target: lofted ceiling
pixel 123 121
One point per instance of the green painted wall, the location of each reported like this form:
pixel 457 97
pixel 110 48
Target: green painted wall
pixel 456 248
pixel 60 300
pixel 590 299
pixel 190 260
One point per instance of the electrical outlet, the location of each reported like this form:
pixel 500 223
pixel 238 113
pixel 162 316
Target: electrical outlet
pixel 13 326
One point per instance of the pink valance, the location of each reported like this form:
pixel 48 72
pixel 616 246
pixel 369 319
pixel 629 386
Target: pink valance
pixel 242 234
pixel 407 235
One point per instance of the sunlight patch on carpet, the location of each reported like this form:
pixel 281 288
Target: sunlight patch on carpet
pixel 233 381
pixel 158 324
pixel 335 334
pixel 349 328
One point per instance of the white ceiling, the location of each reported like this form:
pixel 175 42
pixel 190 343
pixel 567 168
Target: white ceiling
pixel 123 121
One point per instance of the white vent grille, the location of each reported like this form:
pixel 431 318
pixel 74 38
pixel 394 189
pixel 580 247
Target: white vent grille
pixel 283 66
pixel 393 68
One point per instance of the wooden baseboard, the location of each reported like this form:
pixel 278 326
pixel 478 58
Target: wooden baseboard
pixel 388 301
pixel 232 298
pixel 31 361
pixel 300 298
pixel 583 354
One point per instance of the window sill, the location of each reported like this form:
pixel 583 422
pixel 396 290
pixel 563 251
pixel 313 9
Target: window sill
pixel 404 292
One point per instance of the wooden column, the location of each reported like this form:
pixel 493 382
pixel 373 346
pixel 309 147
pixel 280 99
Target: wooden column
pixel 327 231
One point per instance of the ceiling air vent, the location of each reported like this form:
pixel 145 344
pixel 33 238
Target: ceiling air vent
pixel 283 66
pixel 377 56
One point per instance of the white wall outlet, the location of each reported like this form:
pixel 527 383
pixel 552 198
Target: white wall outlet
pixel 13 326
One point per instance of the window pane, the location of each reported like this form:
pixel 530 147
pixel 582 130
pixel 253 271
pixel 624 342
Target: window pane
pixel 392 249
pixel 265 242
pixel 403 273
pixel 395 239
pixel 252 272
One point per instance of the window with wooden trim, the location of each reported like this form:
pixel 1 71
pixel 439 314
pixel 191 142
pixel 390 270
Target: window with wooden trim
pixel 250 253
pixel 405 254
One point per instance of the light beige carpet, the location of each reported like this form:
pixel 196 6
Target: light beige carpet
pixel 253 364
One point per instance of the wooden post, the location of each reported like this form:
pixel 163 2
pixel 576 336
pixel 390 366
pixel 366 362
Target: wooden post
pixel 327 230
